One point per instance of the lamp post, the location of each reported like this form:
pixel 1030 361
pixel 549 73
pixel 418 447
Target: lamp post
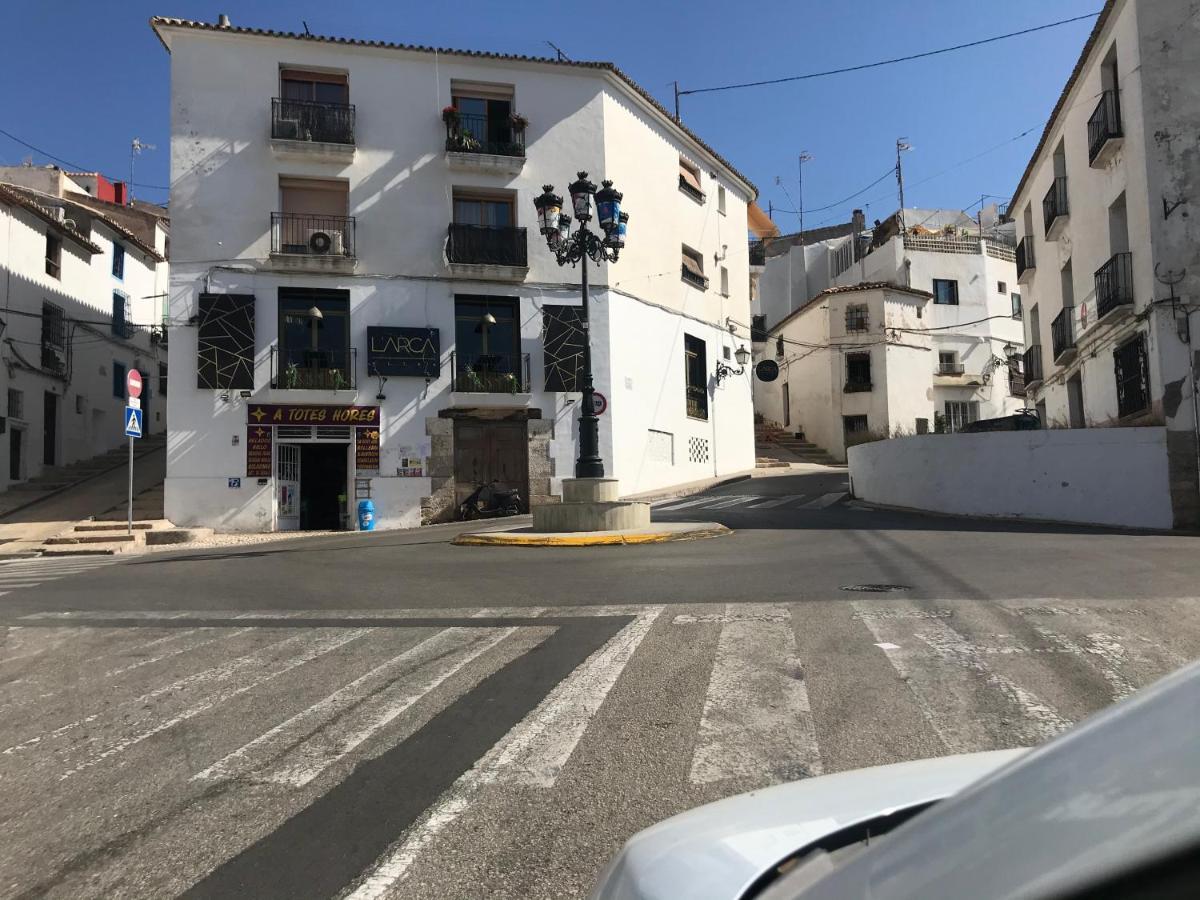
pixel 570 248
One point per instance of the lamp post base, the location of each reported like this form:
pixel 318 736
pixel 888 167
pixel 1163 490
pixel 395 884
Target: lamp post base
pixel 590 504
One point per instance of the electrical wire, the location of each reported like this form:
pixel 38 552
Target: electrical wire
pixel 888 174
pixel 888 62
pixel 74 166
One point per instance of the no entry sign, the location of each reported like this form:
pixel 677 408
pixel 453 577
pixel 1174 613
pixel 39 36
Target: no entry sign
pixel 133 383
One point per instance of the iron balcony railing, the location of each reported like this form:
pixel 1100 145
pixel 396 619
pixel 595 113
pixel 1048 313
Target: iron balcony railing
pixel 305 369
pixel 695 278
pixel 758 253
pixel 690 189
pixel 1104 124
pixel 1016 383
pixel 1024 255
pixel 1062 332
pixel 1114 284
pixel 302 234
pixel 481 245
pixel 490 373
pixel 697 402
pixel 950 368
pixel 758 328
pixel 305 120
pixel 1032 365
pixel 856 386
pixel 466 133
pixel 1054 204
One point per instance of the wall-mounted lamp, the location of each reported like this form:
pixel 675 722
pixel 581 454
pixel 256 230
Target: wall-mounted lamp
pixel 245 395
pixel 742 355
pixel 382 382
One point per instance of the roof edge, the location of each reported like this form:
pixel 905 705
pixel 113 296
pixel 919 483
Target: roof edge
pixel 861 287
pixel 9 194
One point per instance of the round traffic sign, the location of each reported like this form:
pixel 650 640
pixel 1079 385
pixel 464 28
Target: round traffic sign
pixel 133 383
pixel 767 370
pixel 599 403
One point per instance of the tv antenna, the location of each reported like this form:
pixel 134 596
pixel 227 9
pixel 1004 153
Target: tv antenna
pixel 562 57
pixel 135 148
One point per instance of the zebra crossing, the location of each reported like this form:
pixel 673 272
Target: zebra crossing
pixel 245 724
pixel 27 573
pixel 753 502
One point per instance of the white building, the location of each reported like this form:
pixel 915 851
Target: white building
pixel 1106 220
pixel 390 188
pixel 973 320
pixel 84 285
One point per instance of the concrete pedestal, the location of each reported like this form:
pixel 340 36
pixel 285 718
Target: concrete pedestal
pixel 591 504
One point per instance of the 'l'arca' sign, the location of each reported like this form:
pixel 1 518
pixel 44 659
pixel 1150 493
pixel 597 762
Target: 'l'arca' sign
pixel 404 351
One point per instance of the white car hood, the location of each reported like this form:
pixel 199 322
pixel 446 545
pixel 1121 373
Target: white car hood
pixel 716 851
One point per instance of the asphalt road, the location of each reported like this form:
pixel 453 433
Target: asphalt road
pixel 387 715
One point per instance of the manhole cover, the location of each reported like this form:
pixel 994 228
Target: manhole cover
pixel 875 588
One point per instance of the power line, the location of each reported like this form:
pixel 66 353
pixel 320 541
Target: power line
pixel 888 62
pixel 888 174
pixel 74 166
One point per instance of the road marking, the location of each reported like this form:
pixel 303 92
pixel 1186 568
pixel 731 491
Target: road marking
pixel 736 613
pixel 319 647
pixel 757 722
pixel 778 501
pixel 685 504
pixel 824 501
pixel 321 735
pixel 532 753
pixel 121 670
pixel 727 502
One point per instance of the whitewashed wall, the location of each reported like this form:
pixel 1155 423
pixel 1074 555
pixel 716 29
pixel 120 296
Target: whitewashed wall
pixel 1100 476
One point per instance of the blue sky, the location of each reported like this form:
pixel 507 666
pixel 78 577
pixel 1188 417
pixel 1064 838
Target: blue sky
pixel 103 79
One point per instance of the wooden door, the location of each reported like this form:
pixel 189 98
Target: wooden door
pixel 49 427
pixel 491 451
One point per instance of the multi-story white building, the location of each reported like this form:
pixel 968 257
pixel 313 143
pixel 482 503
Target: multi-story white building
pixel 84 284
pixel 363 295
pixel 1109 251
pixel 973 321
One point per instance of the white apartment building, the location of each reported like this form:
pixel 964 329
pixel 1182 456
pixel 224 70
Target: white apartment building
pixel 366 303
pixel 973 320
pixel 851 362
pixel 84 286
pixel 1109 251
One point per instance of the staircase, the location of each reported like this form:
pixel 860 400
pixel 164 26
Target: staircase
pixel 53 478
pixel 771 442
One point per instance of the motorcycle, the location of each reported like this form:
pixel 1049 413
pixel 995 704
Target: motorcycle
pixel 489 502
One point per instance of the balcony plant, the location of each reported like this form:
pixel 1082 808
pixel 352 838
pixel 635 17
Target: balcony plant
pixel 517 122
pixel 450 115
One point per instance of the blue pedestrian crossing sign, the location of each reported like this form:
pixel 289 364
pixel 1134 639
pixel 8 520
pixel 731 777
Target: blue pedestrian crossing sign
pixel 133 422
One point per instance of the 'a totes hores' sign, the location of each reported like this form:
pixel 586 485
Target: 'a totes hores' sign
pixel 403 351
pixel 303 414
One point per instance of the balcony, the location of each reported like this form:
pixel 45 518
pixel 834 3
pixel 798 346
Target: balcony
pixel 1016 383
pixel 950 369
pixel 474 143
pixel 490 380
pixel 694 278
pixel 313 243
pixel 691 190
pixel 1062 331
pixel 1105 134
pixel 1055 209
pixel 758 253
pixel 305 369
pixel 318 132
pixel 496 254
pixel 856 387
pixel 1032 366
pixel 1025 262
pixel 1114 287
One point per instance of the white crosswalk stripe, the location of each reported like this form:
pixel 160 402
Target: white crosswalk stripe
pixel 29 573
pixel 825 501
pixel 778 501
pixel 747 502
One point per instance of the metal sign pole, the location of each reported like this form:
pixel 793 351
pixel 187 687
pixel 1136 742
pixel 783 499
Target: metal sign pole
pixel 129 524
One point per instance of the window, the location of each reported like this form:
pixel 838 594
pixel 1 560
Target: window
pixel 53 255
pixel 689 180
pixel 310 205
pixel 16 404
pixel 54 338
pixel 484 211
pixel 856 317
pixel 948 363
pixel 945 291
pixel 724 281
pixel 313 87
pixel 486 121
pixel 693 268
pixel 960 413
pixel 162 379
pixel 1001 287
pixel 120 315
pixel 696 359
pixel 80 405
pixel 758 328
pixel 922 426
pixel 118 266
pixel 118 380
pixel 779 347
pixel 314 353
pixel 721 199
pixel 1133 376
pixel 487 355
pixel 1016 305
pixel 858 372
pixel 854 424
pixel 725 352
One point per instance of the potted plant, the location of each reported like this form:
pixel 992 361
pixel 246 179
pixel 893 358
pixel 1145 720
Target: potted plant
pixel 291 376
pixel 517 121
pixel 450 115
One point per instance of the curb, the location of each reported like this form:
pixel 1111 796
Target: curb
pixel 509 539
pixel 677 493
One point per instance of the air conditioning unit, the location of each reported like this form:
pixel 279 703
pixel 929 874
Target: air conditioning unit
pixel 325 242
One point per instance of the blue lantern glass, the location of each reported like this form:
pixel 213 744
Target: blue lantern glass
pixel 608 206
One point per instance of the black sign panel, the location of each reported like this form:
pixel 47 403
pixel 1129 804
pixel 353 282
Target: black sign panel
pixel 767 370
pixel 563 341
pixel 404 351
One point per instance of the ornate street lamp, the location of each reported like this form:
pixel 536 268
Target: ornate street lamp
pixel 578 247
pixel 742 355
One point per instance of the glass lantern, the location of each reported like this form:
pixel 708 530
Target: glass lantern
pixel 608 206
pixel 549 207
pixel 581 197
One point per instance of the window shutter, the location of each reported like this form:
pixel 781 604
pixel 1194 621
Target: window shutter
pixel 563 337
pixel 225 345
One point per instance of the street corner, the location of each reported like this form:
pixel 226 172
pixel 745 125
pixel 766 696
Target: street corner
pixel 660 533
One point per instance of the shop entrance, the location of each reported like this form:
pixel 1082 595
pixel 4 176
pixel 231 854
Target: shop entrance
pixel 311 481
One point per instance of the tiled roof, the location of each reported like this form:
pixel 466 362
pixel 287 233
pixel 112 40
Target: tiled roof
pixel 850 289
pixel 157 22
pixel 99 208
pixel 95 215
pixel 1101 21
pixel 12 195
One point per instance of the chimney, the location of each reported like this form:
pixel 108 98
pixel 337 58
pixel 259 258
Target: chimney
pixel 223 21
pixel 858 222
pixel 120 194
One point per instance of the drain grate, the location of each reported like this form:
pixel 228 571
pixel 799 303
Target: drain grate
pixel 875 588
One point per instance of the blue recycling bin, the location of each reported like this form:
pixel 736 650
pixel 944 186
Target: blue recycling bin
pixel 366 515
